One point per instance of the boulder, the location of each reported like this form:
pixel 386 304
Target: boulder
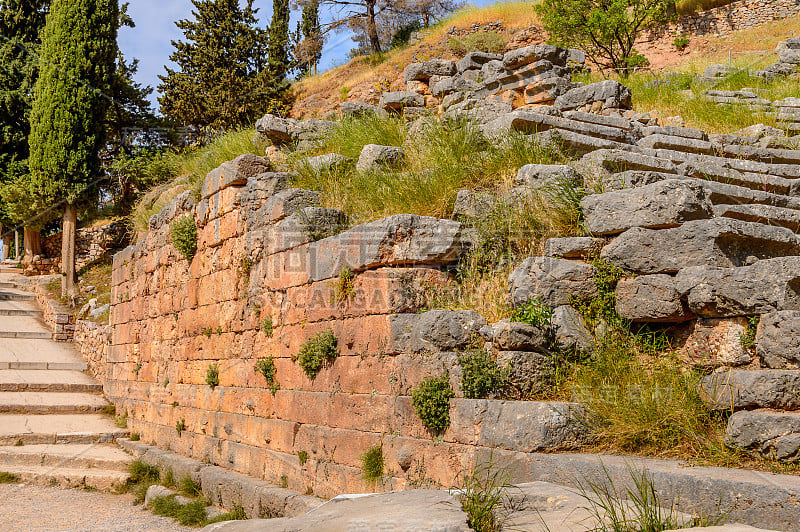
pixel 528 372
pixel 285 203
pixel 746 389
pixel 328 162
pixel 570 330
pixel 396 101
pixel 516 336
pixel 651 298
pixel 283 131
pixel 547 89
pixel 435 331
pixel 663 204
pixel 610 93
pixel 531 54
pixel 374 157
pixel 234 173
pixel 428 69
pixel 452 84
pixel 720 242
pixel 790 55
pixel 778 339
pixel 492 69
pixel 766 286
pixel 473 205
pixel 155 491
pixel 359 109
pixel 551 280
pixel 576 247
pixel 775 435
pixel 476 60
pixel 539 175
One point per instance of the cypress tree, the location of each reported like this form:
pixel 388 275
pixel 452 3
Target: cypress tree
pixel 278 84
pixel 78 58
pixel 309 49
pixel 219 81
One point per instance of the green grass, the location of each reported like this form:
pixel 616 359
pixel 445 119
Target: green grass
pixel 189 487
pixel 189 514
pixel 141 476
pixel 8 478
pixel 484 496
pixel 236 514
pixel 372 463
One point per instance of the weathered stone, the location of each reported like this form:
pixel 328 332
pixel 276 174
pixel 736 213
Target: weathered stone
pixel 476 60
pixel 547 89
pixel 667 142
pixel 674 131
pixel 660 205
pixel 435 330
pixel 790 56
pixel 721 242
pixel 650 298
pixel 374 157
pixel 771 434
pixel 778 339
pixel 515 336
pixel 715 342
pixel 763 214
pixel 528 372
pixel 537 121
pixel 395 101
pixel 328 162
pixel 570 330
pixel 234 173
pixel 471 204
pixel 478 110
pixel 540 175
pixel 717 71
pixel 610 93
pixel 492 69
pixel 552 280
pixel 402 239
pixel 155 491
pixel 766 286
pixel 282 131
pixel 359 109
pixel 428 69
pixel 531 54
pixel 746 389
pixel 577 247
pixel 613 161
pixel 452 84
pixel 407 510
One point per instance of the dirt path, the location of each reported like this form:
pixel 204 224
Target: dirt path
pixel 33 508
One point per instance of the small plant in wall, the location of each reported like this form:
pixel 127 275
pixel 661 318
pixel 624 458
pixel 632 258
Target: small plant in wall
pixel 267 327
pixel 268 370
pixel 431 400
pixel 343 287
pixel 317 351
pixel 212 376
pixel 372 463
pixel 303 457
pixel 481 377
pixel 183 233
pixel 180 426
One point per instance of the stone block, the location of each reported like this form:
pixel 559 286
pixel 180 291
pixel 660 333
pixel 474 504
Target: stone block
pixel 531 54
pixel 552 280
pixel 715 342
pixel 663 204
pixel 650 298
pixel 476 60
pixel 395 101
pixel 610 94
pixel 528 372
pixel 570 330
pixel 746 389
pixel 426 70
pixel 577 247
pixel 374 157
pixel 778 339
pixel 234 173
pixel 774 435
pixel 435 330
pixel 542 175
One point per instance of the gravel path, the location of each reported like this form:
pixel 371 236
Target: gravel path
pixel 33 508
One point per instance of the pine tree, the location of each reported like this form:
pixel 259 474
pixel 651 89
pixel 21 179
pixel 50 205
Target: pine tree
pixel 219 81
pixel 70 101
pixel 279 62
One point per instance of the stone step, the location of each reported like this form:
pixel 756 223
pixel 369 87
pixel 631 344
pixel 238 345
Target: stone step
pixel 75 456
pixel 51 380
pixel 765 214
pixel 11 294
pixel 32 354
pixel 58 428
pixel 24 327
pixel 51 403
pixel 98 479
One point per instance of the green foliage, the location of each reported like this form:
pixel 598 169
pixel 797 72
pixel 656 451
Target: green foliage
pixel 180 426
pixel 135 436
pixel 140 471
pixel 218 82
pixel 189 514
pixel 681 41
pixel 534 312
pixel 77 62
pixel 169 478
pixel 189 487
pixel 137 368
pixel 431 400
pixel 183 233
pixel 308 50
pixel 605 29
pixel 278 51
pixel 403 33
pixel 303 457
pixel 8 478
pixel 747 338
pixel 344 285
pixel 351 134
pixel 266 367
pixel 212 376
pixel 481 377
pixel 602 307
pixel 236 514
pixel 267 327
pixel 480 41
pixel 372 463
pixel 317 351
pixel 484 497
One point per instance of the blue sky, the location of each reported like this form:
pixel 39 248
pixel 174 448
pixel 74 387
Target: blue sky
pixel 155 29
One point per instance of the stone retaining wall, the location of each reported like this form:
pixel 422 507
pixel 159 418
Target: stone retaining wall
pixel 58 318
pixel 91 243
pixel 92 341
pixel 736 16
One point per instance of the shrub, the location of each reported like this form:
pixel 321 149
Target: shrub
pixel 480 41
pixel 169 478
pixel 431 400
pixel 180 426
pixel 317 351
pixel 140 471
pixel 267 368
pixel 135 436
pixel 189 514
pixel 534 312
pixel 372 463
pixel 212 376
pixel 748 337
pixel 484 497
pixel 266 326
pixel 189 487
pixel 183 233
pixel 403 33
pixel 236 514
pixel 343 287
pixel 681 41
pixel 8 478
pixel 481 377
pixel 303 457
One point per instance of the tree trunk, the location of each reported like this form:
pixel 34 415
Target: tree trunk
pixel 16 244
pixel 372 31
pixel 33 245
pixel 68 253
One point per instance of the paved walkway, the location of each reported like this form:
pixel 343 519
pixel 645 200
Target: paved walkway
pixel 25 508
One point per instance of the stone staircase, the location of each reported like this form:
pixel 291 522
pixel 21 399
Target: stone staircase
pixel 52 429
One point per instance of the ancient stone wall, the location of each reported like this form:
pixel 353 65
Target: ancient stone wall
pixel 91 243
pixel 262 283
pixel 736 16
pixel 92 341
